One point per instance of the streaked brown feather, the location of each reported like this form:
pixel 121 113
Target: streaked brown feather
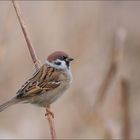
pixel 46 78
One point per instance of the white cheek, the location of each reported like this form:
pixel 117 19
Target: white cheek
pixel 63 65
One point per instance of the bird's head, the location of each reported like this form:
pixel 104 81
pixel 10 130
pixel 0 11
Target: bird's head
pixel 59 60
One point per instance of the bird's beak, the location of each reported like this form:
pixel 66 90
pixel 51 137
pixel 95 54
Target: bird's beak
pixel 70 59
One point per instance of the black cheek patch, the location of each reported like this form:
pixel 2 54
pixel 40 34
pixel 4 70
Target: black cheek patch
pixel 58 63
pixel 68 63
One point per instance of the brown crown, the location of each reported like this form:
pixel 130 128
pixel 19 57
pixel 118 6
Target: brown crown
pixel 56 55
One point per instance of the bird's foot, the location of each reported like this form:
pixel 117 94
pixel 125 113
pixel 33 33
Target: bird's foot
pixel 49 112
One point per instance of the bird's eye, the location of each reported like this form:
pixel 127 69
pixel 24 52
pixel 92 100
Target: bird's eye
pixel 64 57
pixel 58 63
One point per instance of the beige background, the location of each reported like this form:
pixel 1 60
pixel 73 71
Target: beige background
pixel 85 30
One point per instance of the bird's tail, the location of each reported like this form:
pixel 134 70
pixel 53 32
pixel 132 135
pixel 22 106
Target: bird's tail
pixel 9 103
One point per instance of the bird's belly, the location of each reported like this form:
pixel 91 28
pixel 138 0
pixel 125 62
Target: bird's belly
pixel 46 98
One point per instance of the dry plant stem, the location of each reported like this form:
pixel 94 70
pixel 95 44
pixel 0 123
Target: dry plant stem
pixel 101 95
pixel 125 106
pixel 117 56
pixel 49 116
pixel 26 35
pixel 124 85
pixel 35 60
pixel 107 80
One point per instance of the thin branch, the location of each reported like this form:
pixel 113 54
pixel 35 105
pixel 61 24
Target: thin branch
pixel 116 59
pixel 51 122
pixel 26 35
pixel 34 58
pixel 101 95
pixel 124 86
pixel 115 69
pixel 125 108
pixel 50 115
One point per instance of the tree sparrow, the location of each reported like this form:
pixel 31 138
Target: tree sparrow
pixel 47 84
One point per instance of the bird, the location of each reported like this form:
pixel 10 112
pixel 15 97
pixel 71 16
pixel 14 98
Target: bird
pixel 47 84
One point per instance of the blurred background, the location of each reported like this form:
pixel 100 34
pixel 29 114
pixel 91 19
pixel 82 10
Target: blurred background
pixel 104 38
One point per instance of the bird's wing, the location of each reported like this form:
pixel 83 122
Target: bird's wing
pixel 45 79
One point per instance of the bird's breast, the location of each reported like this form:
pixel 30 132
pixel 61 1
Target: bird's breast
pixel 48 97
